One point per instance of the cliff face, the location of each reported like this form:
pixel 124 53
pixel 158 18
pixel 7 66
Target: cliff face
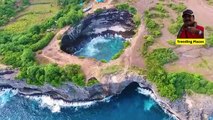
pixel 110 21
pixel 187 108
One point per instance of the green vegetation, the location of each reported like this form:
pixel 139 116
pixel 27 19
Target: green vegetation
pixel 59 36
pixel 103 61
pixel 117 55
pixel 154 31
pixel 159 7
pixel 8 9
pixel 209 40
pixel 125 6
pixel 42 42
pixel 111 70
pixel 210 2
pixel 156 72
pixel 179 8
pixel 209 29
pixel 162 55
pixel 171 42
pixel 174 27
pixel 18 49
pixel 173 85
pixel 185 81
pixel 126 44
pixel 170 85
pixel 72 16
pixel 34 14
pixel 53 74
pixel 92 82
pixel 132 10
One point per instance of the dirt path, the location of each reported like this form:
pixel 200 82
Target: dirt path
pixel 132 55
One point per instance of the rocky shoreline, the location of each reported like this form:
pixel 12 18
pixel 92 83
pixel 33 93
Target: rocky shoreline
pixel 70 93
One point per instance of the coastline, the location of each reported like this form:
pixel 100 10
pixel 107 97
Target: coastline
pixel 84 96
pixel 192 107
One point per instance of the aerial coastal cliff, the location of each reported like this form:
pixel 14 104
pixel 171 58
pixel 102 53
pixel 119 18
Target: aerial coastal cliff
pixel 178 78
pixel 179 109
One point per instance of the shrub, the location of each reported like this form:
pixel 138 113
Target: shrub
pixel 43 42
pixel 117 55
pixel 132 10
pixel 103 61
pixel 175 27
pixel 177 7
pixel 163 55
pixel 137 20
pixel 171 42
pixel 159 7
pixel 59 36
pixel 209 40
pixel 92 82
pixel 126 44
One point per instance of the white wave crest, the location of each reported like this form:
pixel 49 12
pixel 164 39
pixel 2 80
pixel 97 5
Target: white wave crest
pixel 56 105
pixel 145 92
pixel 6 95
pixel 117 28
pixel 91 48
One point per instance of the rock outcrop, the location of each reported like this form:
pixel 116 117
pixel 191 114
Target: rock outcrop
pixel 110 21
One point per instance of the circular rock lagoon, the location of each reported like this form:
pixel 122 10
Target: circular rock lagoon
pixel 100 35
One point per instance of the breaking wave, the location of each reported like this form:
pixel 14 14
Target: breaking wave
pixel 56 105
pixel 6 95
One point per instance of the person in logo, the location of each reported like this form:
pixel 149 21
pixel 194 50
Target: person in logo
pixel 190 28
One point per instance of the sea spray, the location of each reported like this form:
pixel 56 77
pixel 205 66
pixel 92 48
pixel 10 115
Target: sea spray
pixel 151 94
pixel 55 105
pixel 6 95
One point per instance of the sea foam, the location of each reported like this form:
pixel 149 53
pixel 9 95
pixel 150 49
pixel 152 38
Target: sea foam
pixel 56 105
pixel 148 105
pixel 6 95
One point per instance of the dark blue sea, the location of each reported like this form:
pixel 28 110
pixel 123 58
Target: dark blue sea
pixel 129 105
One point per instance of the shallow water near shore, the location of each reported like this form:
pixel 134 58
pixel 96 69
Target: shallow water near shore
pixel 130 104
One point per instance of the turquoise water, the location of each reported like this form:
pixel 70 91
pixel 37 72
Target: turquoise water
pixel 102 47
pixel 130 105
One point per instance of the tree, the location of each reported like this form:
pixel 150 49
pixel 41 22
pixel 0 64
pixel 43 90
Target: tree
pixel 27 57
pixel 35 29
pixel 52 73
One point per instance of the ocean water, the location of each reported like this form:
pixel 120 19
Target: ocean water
pixel 129 105
pixel 102 47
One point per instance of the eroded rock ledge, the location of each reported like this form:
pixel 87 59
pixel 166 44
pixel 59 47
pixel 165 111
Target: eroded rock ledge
pixel 71 93
pixel 109 21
